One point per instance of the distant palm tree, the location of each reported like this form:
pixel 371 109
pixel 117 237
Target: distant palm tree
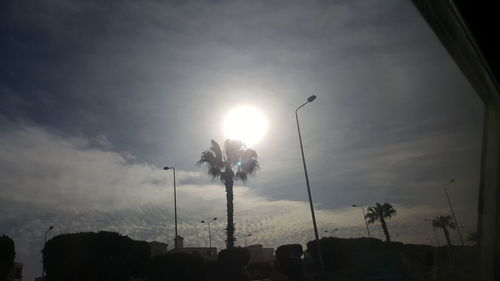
pixel 473 237
pixel 234 163
pixel 381 212
pixel 444 222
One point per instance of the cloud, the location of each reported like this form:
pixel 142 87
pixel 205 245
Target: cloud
pixel 122 88
pixel 67 181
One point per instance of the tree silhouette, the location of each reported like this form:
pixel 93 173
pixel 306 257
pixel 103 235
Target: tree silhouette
pixel 288 261
pixel 88 256
pixel 381 212
pixel 231 264
pixel 444 222
pixel 234 163
pixel 7 255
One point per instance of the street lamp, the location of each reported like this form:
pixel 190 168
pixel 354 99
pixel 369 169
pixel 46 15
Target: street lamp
pixel 433 229
pixel 175 205
pixel 248 235
pixel 208 222
pixel 453 213
pixel 320 259
pixel 44 244
pixel 364 218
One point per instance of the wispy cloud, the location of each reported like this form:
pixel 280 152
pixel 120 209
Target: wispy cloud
pixel 48 179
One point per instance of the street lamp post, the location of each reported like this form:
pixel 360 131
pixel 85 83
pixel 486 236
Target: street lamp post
pixel 208 222
pixel 247 235
pixel 175 205
pixel 453 213
pixel 434 264
pixel 44 244
pixel 320 258
pixel 364 218
pixel 433 229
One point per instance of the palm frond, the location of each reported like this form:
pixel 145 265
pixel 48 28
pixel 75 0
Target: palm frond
pixel 249 166
pixel 388 210
pixel 241 175
pixel 212 162
pixel 452 225
pixel 372 215
pixel 436 222
pixel 379 210
pixel 215 148
pixel 248 154
pixel 207 158
pixel 214 172
pixel 233 150
pixel 443 221
pixel 248 162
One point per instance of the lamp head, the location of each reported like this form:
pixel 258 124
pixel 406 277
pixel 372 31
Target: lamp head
pixel 354 205
pixel 452 180
pixel 166 168
pixel 51 227
pixel 311 98
pixel 202 221
pixel 214 219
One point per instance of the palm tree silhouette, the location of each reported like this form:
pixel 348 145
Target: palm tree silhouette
pixel 234 163
pixel 381 212
pixel 444 222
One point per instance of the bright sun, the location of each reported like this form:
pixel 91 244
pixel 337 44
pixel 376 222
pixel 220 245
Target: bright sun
pixel 245 123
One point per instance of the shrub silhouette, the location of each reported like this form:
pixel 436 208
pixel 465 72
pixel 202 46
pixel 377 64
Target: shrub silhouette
pixel 7 255
pixel 288 261
pixel 339 254
pixel 94 256
pixel 176 267
pixel 362 258
pixel 231 264
pixel 259 270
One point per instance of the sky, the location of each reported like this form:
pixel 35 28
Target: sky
pixel 97 96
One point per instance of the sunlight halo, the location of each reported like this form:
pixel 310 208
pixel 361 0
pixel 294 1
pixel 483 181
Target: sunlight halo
pixel 245 123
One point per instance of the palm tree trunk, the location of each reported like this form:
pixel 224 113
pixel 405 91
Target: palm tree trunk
pixel 447 235
pixel 228 182
pixel 386 232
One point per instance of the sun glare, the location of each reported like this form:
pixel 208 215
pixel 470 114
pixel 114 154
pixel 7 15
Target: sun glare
pixel 245 123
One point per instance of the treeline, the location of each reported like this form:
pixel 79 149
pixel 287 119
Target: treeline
pixel 110 256
pixel 370 258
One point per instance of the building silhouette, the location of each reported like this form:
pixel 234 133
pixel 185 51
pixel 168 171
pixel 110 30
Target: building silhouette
pixel 260 254
pixel 158 248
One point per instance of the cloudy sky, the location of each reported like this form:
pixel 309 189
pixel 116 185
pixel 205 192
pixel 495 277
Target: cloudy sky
pixel 98 96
